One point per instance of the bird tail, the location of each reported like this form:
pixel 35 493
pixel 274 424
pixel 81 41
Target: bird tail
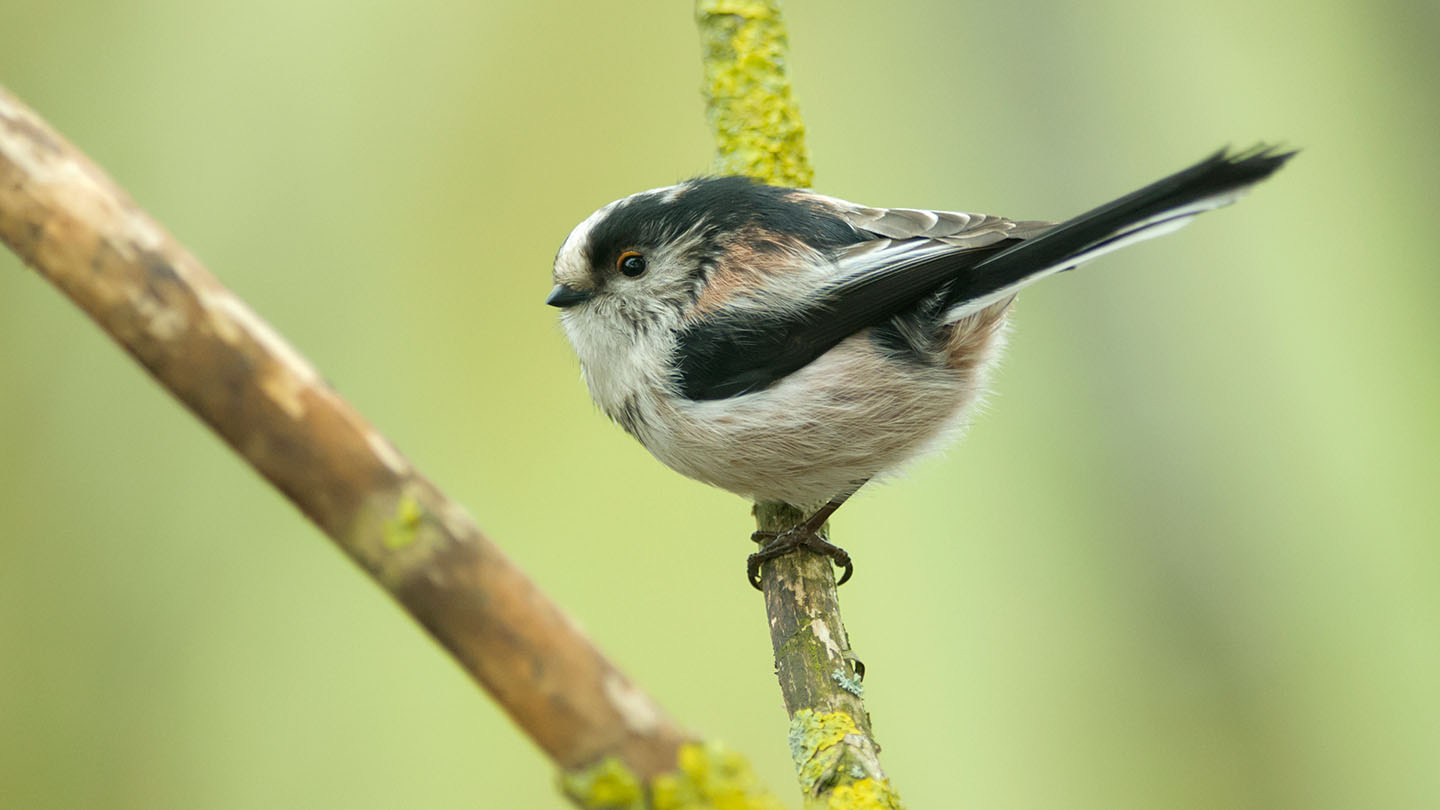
pixel 1159 208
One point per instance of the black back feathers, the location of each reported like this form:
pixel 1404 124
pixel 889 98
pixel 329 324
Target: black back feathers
pixel 732 353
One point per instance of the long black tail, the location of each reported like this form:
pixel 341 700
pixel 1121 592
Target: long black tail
pixel 1156 209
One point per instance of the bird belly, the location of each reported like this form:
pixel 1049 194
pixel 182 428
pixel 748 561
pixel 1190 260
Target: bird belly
pixel 853 414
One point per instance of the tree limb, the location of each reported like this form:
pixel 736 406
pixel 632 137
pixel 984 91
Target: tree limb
pixel 68 220
pixel 758 132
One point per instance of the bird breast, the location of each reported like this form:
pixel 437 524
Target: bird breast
pixel 853 414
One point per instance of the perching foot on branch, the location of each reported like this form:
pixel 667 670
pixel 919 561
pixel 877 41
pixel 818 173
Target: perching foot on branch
pixel 778 544
pixel 804 535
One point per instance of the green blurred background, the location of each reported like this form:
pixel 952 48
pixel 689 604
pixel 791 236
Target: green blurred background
pixel 1187 559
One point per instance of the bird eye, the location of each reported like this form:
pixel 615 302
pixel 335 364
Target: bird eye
pixel 631 263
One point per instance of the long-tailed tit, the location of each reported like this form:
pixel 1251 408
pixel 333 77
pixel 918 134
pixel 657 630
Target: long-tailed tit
pixel 790 346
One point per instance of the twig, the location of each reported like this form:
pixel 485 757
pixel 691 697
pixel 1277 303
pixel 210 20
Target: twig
pixel 758 132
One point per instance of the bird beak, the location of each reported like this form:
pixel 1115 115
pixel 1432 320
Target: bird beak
pixel 563 296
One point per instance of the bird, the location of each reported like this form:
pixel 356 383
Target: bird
pixel 785 345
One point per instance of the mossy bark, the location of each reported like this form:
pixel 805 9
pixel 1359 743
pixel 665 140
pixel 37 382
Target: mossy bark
pixel 752 113
pixel 836 757
pixel 812 651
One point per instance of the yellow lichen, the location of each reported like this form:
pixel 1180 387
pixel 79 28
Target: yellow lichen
pixel 711 777
pixel 608 785
pixel 865 794
pixel 708 776
pixel 400 530
pixel 756 122
pixel 815 745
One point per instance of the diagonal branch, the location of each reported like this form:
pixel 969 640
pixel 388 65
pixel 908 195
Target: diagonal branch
pixel 758 132
pixel 68 220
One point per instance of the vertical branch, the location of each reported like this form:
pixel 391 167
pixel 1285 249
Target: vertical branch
pixel 758 132
pixel 836 757
pixel 757 126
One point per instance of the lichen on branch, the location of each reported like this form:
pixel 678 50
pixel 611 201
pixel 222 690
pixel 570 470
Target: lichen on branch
pixel 758 132
pixel 709 776
pixel 752 113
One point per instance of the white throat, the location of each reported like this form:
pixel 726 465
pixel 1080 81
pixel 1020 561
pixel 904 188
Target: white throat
pixel 619 367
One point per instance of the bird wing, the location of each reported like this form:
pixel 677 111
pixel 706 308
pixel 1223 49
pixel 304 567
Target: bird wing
pixel 952 228
pixel 973 260
pixel 738 350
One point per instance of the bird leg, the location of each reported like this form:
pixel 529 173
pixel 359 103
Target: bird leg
pixel 804 535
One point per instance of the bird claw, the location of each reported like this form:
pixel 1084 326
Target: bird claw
pixel 777 544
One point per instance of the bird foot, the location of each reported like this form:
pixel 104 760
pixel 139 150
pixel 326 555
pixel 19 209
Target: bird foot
pixel 777 544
